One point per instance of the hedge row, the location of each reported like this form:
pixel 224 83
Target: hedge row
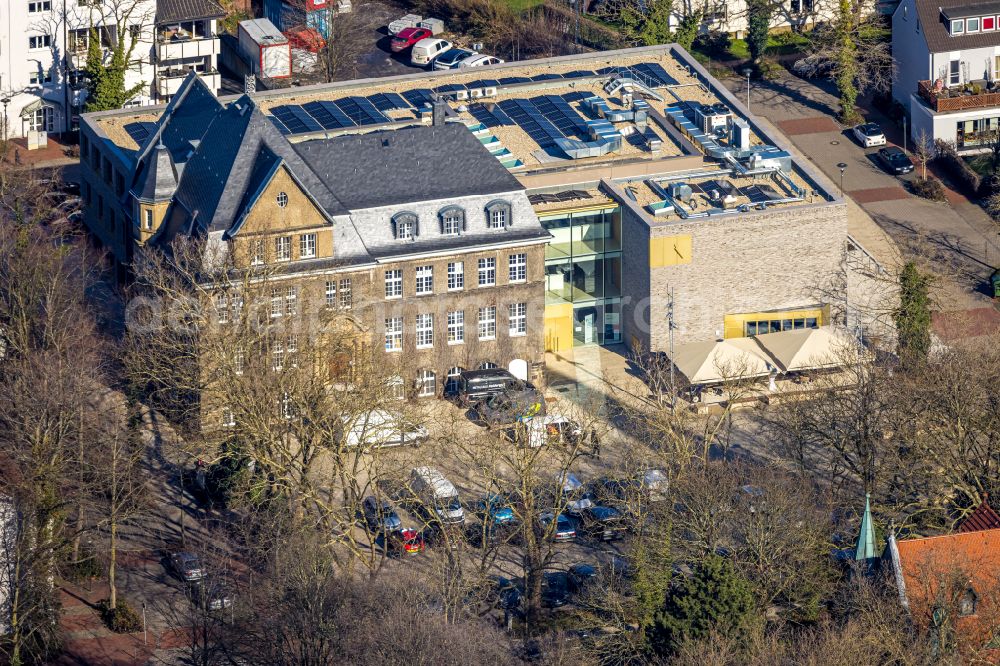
pixel 964 176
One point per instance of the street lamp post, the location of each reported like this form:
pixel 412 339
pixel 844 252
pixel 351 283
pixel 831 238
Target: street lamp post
pixel 747 71
pixel 904 134
pixel 843 167
pixel 576 36
pixel 5 101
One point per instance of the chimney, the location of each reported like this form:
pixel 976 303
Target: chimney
pixel 438 111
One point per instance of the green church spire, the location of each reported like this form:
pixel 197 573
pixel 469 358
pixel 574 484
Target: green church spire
pixel 866 538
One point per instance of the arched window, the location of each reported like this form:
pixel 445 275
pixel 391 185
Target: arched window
pixel 487 365
pixel 452 220
pixel 396 388
pixel 405 226
pixel 499 214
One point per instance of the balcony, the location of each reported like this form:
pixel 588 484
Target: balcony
pixel 168 81
pixel 974 95
pixel 178 46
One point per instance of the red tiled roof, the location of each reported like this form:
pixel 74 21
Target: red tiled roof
pixel 938 570
pixel 983 518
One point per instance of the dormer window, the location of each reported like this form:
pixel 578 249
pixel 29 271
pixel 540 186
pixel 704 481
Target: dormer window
pixel 958 26
pixel 972 25
pixel 452 221
pixel 967 603
pixel 498 215
pixel 404 226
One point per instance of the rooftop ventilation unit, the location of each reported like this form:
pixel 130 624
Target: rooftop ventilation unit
pixel 681 191
pixel 711 119
pixel 739 134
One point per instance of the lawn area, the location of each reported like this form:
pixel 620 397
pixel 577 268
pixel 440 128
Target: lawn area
pixel 521 5
pixel 780 44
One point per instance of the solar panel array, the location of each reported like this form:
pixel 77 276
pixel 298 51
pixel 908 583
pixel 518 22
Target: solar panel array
pixel 545 118
pixel 760 193
pixel 490 115
pixel 562 115
pixel 140 131
pixel 532 121
pixel 568 195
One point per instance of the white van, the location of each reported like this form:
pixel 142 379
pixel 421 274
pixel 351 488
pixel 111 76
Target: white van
pixel 380 427
pixel 427 49
pixel 438 494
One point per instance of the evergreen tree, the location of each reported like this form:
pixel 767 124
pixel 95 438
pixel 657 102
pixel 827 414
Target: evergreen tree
pixel 106 82
pixel 688 28
pixel 715 597
pixel 758 27
pixel 650 26
pixel 913 318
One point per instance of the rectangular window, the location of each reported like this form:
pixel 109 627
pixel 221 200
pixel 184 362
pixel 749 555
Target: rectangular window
pixel 456 327
pixel 425 280
pixel 488 323
pixel 393 333
pixel 307 246
pixel 394 283
pixel 404 230
pixel 238 362
pixel 957 27
pixel 972 25
pixel 222 308
pixel 331 293
pixel 518 316
pixel 456 276
pixel 518 267
pixel 345 293
pixel 37 78
pixel 256 252
pixel 487 272
pixel 954 72
pixel 228 420
pixel 283 248
pixel 39 41
pixel 147 219
pixel 425 331
pixel 989 23
pixel 291 349
pixel 276 309
pixel 428 383
pixel 38 6
pixel 291 300
pixel 498 218
pixel 452 223
pixel 277 355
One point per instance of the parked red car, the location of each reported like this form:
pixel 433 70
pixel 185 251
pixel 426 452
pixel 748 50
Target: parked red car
pixel 407 37
pixel 406 541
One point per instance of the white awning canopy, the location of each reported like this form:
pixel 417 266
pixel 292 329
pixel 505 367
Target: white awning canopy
pixel 810 348
pixel 714 361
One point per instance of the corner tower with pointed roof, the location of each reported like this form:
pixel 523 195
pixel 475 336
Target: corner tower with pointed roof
pixel 865 549
pixel 152 194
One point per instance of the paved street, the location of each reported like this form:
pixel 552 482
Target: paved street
pixel 956 240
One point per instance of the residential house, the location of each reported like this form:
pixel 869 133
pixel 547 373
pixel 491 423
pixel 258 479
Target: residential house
pixel 947 56
pixel 187 40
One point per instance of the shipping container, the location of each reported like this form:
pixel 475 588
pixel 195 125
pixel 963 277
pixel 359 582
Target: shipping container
pixel 264 45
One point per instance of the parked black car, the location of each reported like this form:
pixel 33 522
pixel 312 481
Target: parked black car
pixel 555 589
pixel 474 386
pixel 895 160
pixel 380 515
pixel 582 576
pixel 509 406
pixel 603 522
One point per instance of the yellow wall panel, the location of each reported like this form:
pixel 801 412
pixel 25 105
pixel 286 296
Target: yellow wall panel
pixel 669 251
pixel 558 327
pixel 735 324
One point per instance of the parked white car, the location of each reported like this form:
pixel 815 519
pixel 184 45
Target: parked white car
pixel 480 60
pixel 380 427
pixel 426 50
pixel 869 135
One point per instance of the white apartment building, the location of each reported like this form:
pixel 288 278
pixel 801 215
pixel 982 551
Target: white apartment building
pixel 43 51
pixel 187 40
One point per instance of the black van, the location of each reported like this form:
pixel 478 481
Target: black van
pixel 474 386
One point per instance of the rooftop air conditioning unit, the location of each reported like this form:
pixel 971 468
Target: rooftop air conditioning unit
pixel 681 191
pixel 490 92
pixel 476 93
pixel 461 94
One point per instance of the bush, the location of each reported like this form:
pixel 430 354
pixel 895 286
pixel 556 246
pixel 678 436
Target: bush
pixel 928 188
pixel 713 43
pixel 960 172
pixel 121 619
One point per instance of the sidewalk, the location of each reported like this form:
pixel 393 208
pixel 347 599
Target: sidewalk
pixel 52 155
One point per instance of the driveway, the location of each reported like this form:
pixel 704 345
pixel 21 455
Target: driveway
pixel 956 240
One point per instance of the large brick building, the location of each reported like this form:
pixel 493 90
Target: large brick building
pixel 618 180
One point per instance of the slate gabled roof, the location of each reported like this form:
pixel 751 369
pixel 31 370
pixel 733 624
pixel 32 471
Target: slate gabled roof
pixel 413 164
pixel 218 175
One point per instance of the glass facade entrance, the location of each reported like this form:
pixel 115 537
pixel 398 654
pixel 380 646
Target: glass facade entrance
pixel 583 272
